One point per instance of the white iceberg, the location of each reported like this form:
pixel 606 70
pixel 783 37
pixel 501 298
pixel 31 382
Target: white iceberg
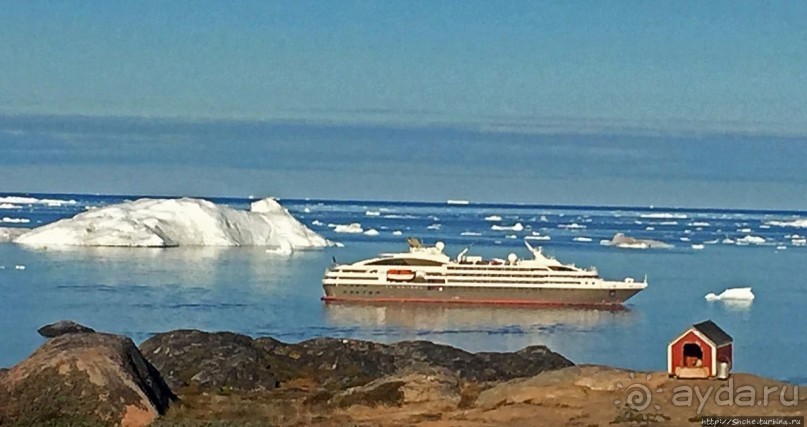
pixel 620 240
pixel 457 202
pixel 434 227
pixel 8 220
pixel 516 227
pixel 740 294
pixel 9 206
pixel 751 240
pixel 799 223
pixel 178 222
pixel 493 218
pixel 33 201
pixel 354 228
pixel 371 232
pixel 470 233
pixel 663 216
pixel 372 213
pixel 582 239
pixel 573 225
pixel 397 233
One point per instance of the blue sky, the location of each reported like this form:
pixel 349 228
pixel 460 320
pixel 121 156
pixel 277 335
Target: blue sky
pixel 579 102
pixel 725 65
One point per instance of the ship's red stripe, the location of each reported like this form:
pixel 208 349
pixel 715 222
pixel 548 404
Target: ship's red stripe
pixel 466 301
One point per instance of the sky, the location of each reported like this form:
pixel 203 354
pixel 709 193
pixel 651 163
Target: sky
pixel 582 102
pixel 717 63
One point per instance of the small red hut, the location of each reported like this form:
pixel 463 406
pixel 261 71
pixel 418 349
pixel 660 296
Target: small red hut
pixel 699 351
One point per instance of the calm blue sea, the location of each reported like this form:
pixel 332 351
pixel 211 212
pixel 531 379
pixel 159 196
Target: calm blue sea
pixel 139 292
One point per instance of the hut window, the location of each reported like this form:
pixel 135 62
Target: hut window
pixel 693 355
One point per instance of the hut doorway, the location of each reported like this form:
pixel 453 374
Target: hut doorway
pixel 693 355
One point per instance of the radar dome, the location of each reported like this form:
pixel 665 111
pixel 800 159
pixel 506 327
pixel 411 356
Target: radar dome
pixel 512 257
pixel 440 246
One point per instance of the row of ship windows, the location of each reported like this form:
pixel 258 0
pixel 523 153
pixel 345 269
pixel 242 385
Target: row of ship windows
pixel 363 292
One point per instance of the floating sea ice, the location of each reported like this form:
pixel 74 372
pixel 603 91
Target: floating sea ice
pixel 371 232
pixel 650 228
pixel 517 227
pixel 663 216
pixel 307 210
pixel 728 241
pixel 493 218
pixel 397 233
pixel 457 202
pixel 781 247
pixel 749 239
pixel 742 294
pixel 683 239
pixel 700 224
pixel 511 236
pixel 697 247
pixel 582 239
pixel 9 206
pixel 544 218
pixel 434 227
pixel 372 213
pixel 763 226
pixel 19 267
pixel 8 220
pixel 470 233
pixel 573 225
pixel 744 230
pixel 538 236
pixel 317 223
pixel 353 228
pixel 801 223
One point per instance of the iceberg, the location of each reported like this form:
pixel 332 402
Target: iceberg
pixel 354 228
pixel 741 294
pixel 663 216
pixel 517 227
pixel 620 240
pixel 9 206
pixel 799 223
pixel 752 240
pixel 8 220
pixel 582 239
pixel 371 232
pixel 493 218
pixel 33 201
pixel 178 222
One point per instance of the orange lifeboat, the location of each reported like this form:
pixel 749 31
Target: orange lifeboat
pixel 400 275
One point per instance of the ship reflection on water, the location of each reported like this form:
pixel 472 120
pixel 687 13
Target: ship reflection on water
pixel 477 327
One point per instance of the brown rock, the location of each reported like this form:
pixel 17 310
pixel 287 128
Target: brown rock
pixel 415 385
pixel 83 379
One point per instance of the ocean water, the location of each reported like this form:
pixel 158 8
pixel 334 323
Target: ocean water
pixel 139 292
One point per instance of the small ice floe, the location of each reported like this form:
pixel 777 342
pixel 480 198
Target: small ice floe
pixel 751 240
pixel 470 233
pixel 544 218
pixel 573 225
pixel 764 226
pixel 744 230
pixel 307 210
pixel 397 233
pixel 317 223
pixel 538 236
pixel 697 247
pixel 620 240
pixel 711 242
pixel 663 215
pixel 19 267
pixel 727 241
pixel 799 223
pixel 353 228
pixel 732 294
pixel 371 232
pixel 372 213
pixel 582 239
pixel 668 223
pixel 33 201
pixel 9 206
pixel 781 247
pixel 700 224
pixel 683 239
pixel 8 220
pixel 434 227
pixel 457 202
pixel 516 227
pixel 511 236
pixel 493 218
pixel 650 228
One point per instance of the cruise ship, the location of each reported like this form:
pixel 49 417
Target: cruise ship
pixel 427 274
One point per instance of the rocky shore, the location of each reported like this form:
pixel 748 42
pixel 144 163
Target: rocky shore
pixel 80 377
